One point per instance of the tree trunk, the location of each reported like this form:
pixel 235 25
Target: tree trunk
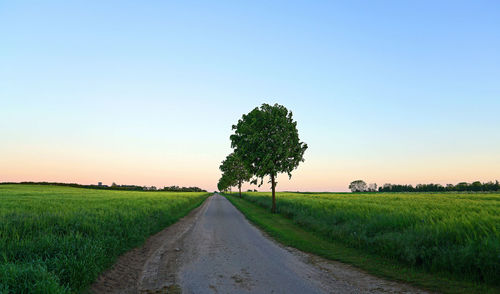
pixel 273 187
pixel 239 187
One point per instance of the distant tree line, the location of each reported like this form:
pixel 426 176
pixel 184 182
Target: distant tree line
pixel 182 189
pixel 114 186
pixel 462 186
pixel 361 186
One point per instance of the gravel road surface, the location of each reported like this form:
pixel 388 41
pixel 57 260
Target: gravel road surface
pixel 216 250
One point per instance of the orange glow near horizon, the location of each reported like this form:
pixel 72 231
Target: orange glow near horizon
pixel 202 171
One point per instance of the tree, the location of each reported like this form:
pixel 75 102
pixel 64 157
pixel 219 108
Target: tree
pixel 476 186
pixel 462 186
pixel 372 187
pixel 358 186
pixel 267 141
pixel 236 170
pixel 224 183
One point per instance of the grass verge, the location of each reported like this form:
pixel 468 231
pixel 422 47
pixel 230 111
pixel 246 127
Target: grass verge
pixel 288 233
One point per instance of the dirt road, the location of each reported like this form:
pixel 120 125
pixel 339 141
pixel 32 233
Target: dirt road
pixel 216 250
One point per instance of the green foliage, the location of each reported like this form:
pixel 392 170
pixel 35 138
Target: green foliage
pixel 225 182
pixel 268 142
pixel 358 186
pixel 28 278
pixel 460 187
pixel 59 239
pixel 182 189
pixel 454 233
pixel 235 171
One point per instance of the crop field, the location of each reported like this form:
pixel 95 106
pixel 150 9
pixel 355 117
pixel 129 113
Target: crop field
pixel 453 233
pixel 59 239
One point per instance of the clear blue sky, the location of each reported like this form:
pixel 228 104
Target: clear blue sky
pixel 145 92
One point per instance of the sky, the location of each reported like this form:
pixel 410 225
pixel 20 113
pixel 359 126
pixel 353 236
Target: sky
pixel 146 92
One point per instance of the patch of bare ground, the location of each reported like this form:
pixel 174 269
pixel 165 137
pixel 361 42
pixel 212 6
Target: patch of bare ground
pixel 152 267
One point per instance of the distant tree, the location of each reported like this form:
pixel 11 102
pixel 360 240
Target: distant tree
pixel 234 168
pixel 372 187
pixel 385 188
pixel 476 186
pixel 183 189
pixel 462 186
pixel 225 182
pixel 113 187
pixel 267 141
pixel 429 188
pixel 220 186
pixel 358 186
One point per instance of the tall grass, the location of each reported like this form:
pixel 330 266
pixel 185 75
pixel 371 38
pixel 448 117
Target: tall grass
pixel 58 239
pixel 448 232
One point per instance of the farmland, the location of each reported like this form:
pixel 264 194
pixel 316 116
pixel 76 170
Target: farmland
pixel 453 233
pixel 59 239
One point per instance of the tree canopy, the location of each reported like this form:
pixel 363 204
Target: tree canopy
pixel 224 183
pixel 267 141
pixel 358 186
pixel 462 186
pixel 235 171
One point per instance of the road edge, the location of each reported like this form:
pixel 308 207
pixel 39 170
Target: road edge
pixel 131 264
pixel 288 234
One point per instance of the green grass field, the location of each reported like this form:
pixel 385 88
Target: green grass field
pixel 452 233
pixel 58 239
